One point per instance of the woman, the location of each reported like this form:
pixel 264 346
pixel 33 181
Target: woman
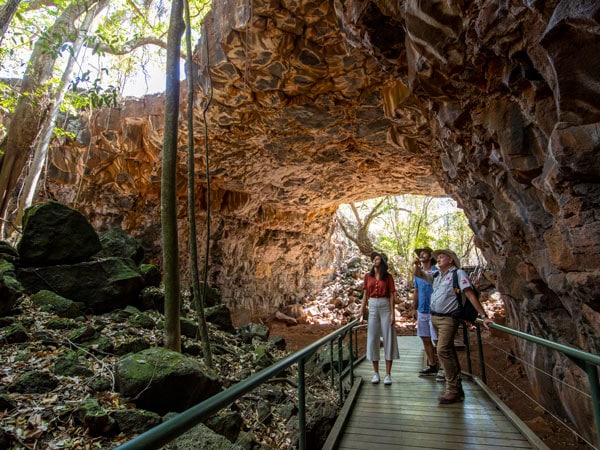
pixel 379 288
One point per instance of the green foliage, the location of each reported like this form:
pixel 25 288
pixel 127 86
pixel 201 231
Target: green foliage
pixel 112 61
pixel 8 98
pixel 62 133
pixel 95 96
pixel 57 43
pixel 408 222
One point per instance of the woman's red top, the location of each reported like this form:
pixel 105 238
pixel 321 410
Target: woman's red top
pixel 379 288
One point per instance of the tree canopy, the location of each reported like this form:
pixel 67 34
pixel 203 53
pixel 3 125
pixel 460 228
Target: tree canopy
pixel 399 225
pixel 63 56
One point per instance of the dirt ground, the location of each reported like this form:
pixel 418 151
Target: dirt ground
pixel 504 373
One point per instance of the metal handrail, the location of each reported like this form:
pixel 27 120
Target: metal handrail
pixel 588 362
pixel 175 427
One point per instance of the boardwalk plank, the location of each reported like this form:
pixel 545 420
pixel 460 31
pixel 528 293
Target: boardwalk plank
pixel 407 415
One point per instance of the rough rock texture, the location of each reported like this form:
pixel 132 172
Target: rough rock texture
pixel 72 239
pixel 316 103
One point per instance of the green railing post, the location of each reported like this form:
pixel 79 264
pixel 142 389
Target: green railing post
pixel 351 359
pixel 480 347
pixel 331 363
pixel 592 373
pixel 301 406
pixel 467 347
pixel 340 368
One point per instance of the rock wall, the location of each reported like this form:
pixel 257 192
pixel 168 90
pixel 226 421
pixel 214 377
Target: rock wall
pixel 316 103
pixel 511 93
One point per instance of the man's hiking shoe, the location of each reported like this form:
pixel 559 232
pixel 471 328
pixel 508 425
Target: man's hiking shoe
pixel 440 377
pixel 430 371
pixel 375 379
pixel 451 397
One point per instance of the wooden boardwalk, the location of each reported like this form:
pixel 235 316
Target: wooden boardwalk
pixel 407 415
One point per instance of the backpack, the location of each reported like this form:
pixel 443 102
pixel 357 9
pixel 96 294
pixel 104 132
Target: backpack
pixel 466 311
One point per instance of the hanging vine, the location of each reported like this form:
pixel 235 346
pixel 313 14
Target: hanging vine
pixel 198 297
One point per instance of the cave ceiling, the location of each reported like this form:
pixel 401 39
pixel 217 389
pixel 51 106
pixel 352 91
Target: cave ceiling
pixel 301 119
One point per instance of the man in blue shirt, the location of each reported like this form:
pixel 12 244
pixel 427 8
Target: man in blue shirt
pixel 421 304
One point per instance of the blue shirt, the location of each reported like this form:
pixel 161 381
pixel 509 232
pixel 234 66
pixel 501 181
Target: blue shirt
pixel 425 290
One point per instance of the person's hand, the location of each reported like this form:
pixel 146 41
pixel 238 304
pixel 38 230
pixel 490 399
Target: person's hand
pixel 416 262
pixel 361 315
pixel 486 321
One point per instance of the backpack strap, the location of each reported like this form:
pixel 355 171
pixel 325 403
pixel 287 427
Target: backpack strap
pixel 457 290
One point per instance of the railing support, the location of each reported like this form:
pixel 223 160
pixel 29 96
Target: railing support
pixel 467 347
pixel 340 369
pixel 592 373
pixel 351 359
pixel 301 406
pixel 331 363
pixel 481 359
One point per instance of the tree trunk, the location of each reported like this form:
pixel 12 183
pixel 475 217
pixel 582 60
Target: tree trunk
pixel 43 141
pixel 6 14
pixel 359 232
pixel 27 118
pixel 168 200
pixel 198 298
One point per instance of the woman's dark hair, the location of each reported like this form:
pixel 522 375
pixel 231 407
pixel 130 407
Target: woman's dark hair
pixel 383 267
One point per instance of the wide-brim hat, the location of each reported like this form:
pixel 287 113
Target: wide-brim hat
pixel 450 253
pixel 428 250
pixel 383 256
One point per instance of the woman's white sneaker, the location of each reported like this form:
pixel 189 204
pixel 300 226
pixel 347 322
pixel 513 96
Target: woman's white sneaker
pixel 375 379
pixel 387 380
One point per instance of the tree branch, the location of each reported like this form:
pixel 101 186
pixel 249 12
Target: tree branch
pixel 127 47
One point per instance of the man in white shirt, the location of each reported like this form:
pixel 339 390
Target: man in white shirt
pixel 444 305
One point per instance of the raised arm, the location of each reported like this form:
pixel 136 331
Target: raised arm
pixel 418 272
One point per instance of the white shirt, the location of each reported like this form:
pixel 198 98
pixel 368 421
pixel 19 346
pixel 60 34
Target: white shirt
pixel 443 298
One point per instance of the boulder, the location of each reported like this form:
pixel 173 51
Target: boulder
pixel 132 345
pixel 116 242
pixel 252 330
pixel 54 233
pixel 135 421
pixel 34 382
pixel 152 297
pixel 8 252
pixel 13 333
pixel 189 327
pixel 221 317
pixel 51 302
pixel 10 288
pixel 151 275
pixel 68 365
pixel 226 423
pixel 203 437
pixel 161 380
pixel 101 285
pixel 91 414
